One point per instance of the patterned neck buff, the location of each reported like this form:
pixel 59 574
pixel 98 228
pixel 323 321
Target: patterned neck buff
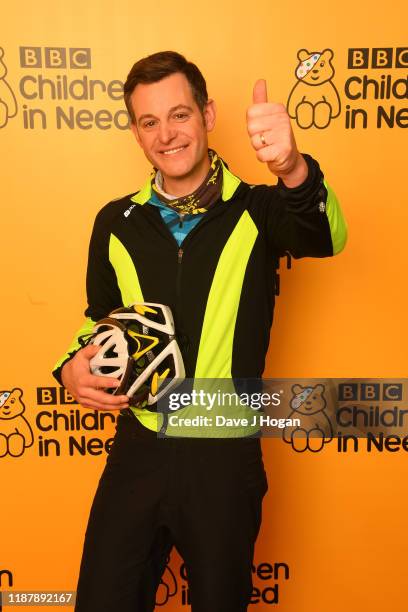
pixel 203 198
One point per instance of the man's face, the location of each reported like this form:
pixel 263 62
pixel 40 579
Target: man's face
pixel 170 127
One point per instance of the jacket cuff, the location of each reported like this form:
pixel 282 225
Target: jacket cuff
pixel 311 194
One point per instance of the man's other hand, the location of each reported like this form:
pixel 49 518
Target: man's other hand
pixel 85 387
pixel 272 137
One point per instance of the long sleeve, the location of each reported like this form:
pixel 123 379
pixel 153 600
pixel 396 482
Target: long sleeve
pixel 307 221
pixel 103 294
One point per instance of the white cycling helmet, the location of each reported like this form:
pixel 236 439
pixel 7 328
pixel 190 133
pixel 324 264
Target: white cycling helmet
pixel 138 347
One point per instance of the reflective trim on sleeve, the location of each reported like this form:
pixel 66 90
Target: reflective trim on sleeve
pixel 337 223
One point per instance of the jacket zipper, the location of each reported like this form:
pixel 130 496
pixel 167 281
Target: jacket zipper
pixel 180 252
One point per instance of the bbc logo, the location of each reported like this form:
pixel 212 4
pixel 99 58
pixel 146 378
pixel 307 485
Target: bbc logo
pixel 386 392
pixel 55 57
pixel 386 57
pixel 53 395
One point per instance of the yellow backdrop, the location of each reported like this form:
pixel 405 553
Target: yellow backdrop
pixel 337 520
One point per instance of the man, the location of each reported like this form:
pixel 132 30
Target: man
pixel 201 241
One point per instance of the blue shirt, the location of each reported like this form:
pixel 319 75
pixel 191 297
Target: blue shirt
pixel 179 224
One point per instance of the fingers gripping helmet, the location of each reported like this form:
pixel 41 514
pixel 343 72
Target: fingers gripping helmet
pixel 138 347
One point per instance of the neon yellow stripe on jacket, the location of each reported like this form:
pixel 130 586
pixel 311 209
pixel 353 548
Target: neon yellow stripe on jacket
pixel 125 271
pixel 337 222
pixel 217 335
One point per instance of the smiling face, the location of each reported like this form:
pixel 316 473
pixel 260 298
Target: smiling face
pixel 173 132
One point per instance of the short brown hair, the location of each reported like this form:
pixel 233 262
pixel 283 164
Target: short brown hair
pixel 156 67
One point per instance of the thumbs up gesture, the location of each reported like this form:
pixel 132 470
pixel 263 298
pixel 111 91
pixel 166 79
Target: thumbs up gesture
pixel 272 137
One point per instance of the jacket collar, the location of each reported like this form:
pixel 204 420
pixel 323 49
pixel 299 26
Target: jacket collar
pixel 230 184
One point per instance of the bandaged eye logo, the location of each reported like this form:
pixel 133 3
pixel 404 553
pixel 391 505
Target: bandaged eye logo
pixel 308 404
pixel 167 587
pixel 15 431
pixel 8 102
pixel 314 100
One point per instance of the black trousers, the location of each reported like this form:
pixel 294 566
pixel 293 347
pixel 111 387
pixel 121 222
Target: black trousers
pixel 203 496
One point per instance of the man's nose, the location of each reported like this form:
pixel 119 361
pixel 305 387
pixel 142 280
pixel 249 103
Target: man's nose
pixel 166 132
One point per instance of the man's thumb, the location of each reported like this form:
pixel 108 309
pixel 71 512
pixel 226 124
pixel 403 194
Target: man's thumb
pixel 260 93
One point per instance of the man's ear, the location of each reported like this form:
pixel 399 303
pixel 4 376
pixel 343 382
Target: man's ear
pixel 210 114
pixel 135 131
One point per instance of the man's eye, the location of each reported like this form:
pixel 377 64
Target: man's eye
pixel 180 116
pixel 148 124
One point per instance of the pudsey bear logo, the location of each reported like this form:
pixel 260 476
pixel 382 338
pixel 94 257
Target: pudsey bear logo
pixel 8 103
pixel 15 431
pixel 314 100
pixel 308 404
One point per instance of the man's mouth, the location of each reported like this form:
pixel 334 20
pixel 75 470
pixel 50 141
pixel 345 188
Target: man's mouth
pixel 173 151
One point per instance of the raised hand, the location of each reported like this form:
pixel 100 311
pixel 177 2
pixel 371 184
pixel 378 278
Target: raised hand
pixel 272 137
